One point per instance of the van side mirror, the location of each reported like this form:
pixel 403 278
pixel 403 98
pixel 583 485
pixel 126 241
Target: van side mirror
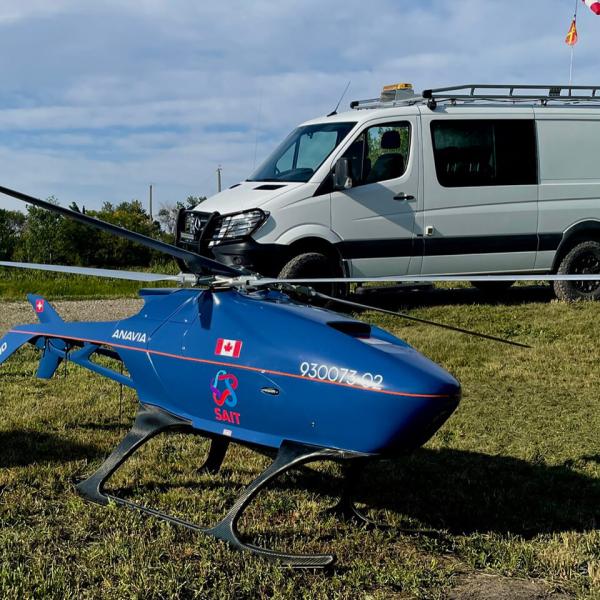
pixel 341 175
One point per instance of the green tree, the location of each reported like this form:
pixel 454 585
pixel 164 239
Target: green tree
pixel 41 240
pixel 80 240
pixel 113 251
pixel 50 238
pixel 11 227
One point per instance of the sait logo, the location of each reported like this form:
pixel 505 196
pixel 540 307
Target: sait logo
pixel 223 389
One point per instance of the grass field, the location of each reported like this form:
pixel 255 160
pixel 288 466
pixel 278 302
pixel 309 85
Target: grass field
pixel 510 485
pixel 16 283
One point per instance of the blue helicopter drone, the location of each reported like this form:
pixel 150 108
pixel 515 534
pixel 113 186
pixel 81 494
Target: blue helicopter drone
pixel 239 358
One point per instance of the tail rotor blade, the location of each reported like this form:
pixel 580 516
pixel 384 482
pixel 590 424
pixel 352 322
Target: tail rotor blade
pixel 402 315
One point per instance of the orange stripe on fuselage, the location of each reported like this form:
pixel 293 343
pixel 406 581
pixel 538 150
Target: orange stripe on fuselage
pixel 224 364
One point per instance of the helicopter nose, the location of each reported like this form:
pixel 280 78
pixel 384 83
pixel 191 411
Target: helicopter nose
pixel 443 384
pixel 432 395
pixel 427 377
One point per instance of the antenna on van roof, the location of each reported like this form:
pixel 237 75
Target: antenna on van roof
pixel 334 111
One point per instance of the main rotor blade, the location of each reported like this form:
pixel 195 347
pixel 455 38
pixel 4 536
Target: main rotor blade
pixel 431 279
pixel 485 336
pixel 197 263
pixel 110 273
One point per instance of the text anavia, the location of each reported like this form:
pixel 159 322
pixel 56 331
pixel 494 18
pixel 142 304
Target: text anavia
pixel 130 336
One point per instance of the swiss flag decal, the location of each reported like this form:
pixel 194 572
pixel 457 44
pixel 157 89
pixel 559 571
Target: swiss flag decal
pixel 39 306
pixel 231 348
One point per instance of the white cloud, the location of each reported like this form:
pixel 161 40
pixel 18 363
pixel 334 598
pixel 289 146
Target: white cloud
pixel 100 99
pixel 16 10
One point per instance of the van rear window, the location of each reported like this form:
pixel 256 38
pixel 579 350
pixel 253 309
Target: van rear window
pixel 484 152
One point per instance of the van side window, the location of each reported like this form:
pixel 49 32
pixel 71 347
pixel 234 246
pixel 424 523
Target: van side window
pixel 380 153
pixel 485 152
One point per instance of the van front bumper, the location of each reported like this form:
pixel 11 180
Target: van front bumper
pixel 266 259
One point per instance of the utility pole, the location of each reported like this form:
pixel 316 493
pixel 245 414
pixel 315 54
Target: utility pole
pixel 219 169
pixel 151 202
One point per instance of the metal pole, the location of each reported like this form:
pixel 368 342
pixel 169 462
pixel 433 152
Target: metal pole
pixel 573 45
pixel 151 202
pixel 219 169
pixel 571 67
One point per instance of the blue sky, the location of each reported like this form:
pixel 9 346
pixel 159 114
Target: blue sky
pixel 98 100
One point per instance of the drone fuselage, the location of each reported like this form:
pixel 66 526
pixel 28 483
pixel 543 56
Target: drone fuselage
pixel 260 369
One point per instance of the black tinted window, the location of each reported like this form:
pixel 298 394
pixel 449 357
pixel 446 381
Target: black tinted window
pixel 477 152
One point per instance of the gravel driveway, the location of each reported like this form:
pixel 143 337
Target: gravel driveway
pixel 13 313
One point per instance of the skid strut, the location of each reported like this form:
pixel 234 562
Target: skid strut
pixel 150 421
pixel 346 509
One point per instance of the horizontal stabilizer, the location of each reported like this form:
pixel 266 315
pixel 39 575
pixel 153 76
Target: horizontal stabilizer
pixel 11 342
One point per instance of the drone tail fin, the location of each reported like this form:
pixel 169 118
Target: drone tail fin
pixel 44 310
pixel 53 348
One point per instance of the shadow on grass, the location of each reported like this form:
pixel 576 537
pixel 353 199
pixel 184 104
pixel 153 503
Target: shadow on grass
pixel 22 448
pixel 461 492
pixel 123 427
pixel 467 492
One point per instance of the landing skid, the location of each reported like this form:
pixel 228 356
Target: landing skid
pixel 150 421
pixel 346 509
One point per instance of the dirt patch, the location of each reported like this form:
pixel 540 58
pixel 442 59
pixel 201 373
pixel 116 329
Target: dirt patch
pixel 482 586
pixel 13 313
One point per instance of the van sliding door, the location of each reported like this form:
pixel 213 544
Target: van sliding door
pixel 480 191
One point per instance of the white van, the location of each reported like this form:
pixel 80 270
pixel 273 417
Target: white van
pixel 464 180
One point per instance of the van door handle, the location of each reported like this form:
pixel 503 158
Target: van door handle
pixel 403 196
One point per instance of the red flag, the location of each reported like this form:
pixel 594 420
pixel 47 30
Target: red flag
pixel 572 37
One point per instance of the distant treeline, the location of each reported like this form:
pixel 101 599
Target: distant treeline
pixel 41 236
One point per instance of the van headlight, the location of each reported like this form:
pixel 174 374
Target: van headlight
pixel 237 225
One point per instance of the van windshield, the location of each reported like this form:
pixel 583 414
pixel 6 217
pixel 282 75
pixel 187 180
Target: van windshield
pixel 302 152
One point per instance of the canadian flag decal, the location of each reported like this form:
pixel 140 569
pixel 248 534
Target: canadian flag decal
pixel 231 348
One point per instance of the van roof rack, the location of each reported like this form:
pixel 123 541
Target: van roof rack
pixel 513 93
pixel 491 92
pixel 379 103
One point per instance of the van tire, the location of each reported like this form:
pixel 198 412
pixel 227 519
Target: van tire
pixel 584 258
pixel 313 265
pixel 491 288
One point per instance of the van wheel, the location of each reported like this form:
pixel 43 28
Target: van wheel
pixel 314 265
pixel 582 259
pixel 491 288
